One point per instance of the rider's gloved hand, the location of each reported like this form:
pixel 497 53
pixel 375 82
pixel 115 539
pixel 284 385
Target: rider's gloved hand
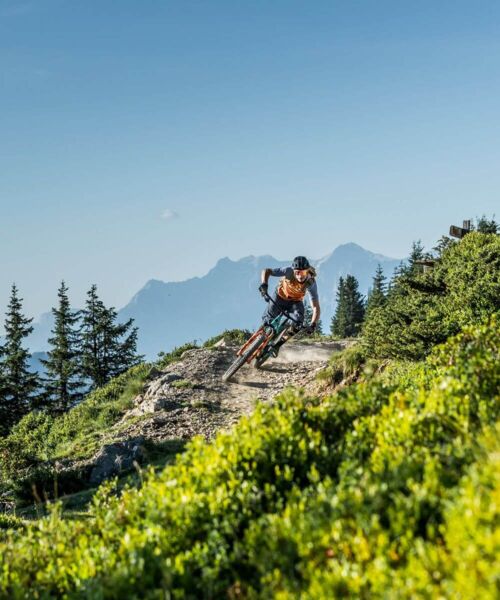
pixel 263 289
pixel 310 329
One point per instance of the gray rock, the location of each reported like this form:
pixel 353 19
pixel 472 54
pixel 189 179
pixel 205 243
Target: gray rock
pixel 161 384
pixel 112 459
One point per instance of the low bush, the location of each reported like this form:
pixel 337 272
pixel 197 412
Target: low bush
pixel 167 358
pixel 10 522
pixel 231 336
pixel 344 365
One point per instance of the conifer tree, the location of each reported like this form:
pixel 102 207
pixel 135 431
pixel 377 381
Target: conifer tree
pixel 18 385
pixel 350 310
pixel 485 225
pixel 63 384
pixel 377 294
pixel 107 348
pixel 91 362
pixel 417 253
pixel 443 244
pixel 120 344
pixel 339 319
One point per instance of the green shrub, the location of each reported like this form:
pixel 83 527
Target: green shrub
pixel 10 522
pixel 165 359
pixel 425 309
pixel 231 336
pixel 29 451
pixel 344 365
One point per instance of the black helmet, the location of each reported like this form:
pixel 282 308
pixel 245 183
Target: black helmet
pixel 300 262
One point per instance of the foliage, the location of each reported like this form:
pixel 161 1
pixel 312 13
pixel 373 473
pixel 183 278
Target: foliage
pixel 63 384
pixel 10 522
pixel 355 495
pixel 18 385
pixel 425 308
pixel 165 359
pixel 377 294
pixel 231 336
pixel 350 309
pixel 28 454
pixel 107 348
pixel 485 225
pixel 345 365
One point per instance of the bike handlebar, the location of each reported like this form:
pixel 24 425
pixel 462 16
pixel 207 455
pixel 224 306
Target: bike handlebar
pixel 268 298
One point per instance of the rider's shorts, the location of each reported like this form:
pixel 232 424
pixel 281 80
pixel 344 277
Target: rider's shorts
pixel 296 309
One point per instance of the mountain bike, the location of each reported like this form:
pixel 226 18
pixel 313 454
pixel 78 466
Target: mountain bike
pixel 261 345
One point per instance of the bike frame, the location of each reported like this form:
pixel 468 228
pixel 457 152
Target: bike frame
pixel 274 329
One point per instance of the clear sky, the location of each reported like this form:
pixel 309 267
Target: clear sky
pixel 147 139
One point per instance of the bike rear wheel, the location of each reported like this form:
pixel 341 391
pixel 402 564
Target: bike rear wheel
pixel 241 360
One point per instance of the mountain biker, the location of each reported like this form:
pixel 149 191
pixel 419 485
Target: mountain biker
pixel 295 282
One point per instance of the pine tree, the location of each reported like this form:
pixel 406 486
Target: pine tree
pixel 18 385
pixel 91 363
pixel 63 384
pixel 443 244
pixel 120 344
pixel 350 310
pixel 107 348
pixel 377 294
pixel 339 320
pixel 417 253
pixel 485 225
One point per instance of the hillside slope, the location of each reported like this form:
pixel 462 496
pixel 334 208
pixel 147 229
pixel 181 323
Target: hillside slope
pixel 359 494
pixel 146 415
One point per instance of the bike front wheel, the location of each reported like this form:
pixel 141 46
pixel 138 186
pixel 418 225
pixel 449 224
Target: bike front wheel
pixel 241 360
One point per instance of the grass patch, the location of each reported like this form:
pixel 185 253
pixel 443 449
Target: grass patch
pixel 230 336
pixel 182 384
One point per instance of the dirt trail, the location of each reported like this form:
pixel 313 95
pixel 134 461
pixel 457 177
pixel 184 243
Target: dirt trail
pixel 190 398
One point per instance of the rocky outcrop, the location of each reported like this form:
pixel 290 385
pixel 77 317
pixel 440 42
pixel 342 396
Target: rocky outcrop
pixel 189 398
pixel 113 459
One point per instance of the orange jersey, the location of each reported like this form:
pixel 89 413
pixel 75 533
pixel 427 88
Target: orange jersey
pixel 291 289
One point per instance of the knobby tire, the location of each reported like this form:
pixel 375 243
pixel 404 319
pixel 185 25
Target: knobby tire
pixel 241 360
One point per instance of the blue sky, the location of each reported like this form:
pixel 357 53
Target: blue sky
pixel 147 139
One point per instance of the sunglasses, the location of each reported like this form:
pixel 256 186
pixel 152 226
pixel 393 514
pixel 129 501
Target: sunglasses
pixel 302 272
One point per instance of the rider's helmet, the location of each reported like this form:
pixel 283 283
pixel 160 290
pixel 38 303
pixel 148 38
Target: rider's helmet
pixel 300 262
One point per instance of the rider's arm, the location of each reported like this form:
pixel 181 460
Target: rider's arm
pixel 264 277
pixel 316 311
pixel 313 292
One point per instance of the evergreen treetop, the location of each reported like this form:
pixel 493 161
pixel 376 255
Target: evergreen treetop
pixel 63 384
pixel 350 309
pixel 18 385
pixel 107 348
pixel 377 294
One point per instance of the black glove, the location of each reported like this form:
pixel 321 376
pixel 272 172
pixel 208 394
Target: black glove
pixel 263 289
pixel 310 329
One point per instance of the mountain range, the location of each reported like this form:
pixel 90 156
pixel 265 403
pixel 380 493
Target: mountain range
pixel 169 314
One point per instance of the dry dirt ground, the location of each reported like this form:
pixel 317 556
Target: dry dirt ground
pixel 190 398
